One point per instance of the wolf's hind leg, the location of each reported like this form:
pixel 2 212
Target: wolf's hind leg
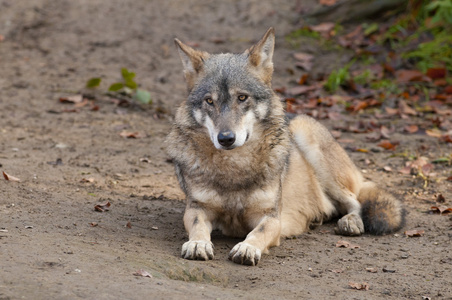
pixel 199 228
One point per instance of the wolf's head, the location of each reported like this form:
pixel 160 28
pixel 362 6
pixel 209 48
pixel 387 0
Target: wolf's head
pixel 229 93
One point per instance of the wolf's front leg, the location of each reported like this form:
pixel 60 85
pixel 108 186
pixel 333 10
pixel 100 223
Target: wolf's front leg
pixel 199 228
pixel 265 235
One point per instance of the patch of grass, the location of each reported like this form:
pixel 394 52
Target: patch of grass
pixel 389 85
pixel 295 38
pixel 435 53
pixel 338 77
pixel 364 78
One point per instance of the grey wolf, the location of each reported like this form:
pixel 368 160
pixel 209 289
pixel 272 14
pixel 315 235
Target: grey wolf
pixel 248 171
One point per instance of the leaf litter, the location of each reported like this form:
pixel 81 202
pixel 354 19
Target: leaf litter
pixel 102 207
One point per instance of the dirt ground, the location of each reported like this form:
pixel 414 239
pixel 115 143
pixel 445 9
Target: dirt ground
pixel 54 245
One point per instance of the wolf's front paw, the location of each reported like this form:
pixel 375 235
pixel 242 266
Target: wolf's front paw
pixel 201 250
pixel 245 254
pixel 350 224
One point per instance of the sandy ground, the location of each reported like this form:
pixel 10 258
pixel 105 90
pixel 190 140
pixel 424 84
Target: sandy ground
pixel 54 245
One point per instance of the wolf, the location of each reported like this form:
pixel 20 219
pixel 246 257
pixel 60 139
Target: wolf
pixel 250 172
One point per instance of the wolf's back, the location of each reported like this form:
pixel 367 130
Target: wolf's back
pixel 381 212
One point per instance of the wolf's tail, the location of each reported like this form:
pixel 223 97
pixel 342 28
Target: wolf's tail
pixel 381 212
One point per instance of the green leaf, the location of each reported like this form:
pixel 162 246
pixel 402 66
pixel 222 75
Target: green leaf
pixel 441 160
pixel 130 83
pixel 372 28
pixel 143 96
pixel 93 82
pixel 116 87
pixel 127 75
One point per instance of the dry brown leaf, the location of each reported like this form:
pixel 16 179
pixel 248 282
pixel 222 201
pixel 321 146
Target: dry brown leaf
pixel 411 128
pixel 404 108
pixel 85 180
pixel 435 73
pixel 132 135
pixel 387 145
pixel 142 273
pixel 323 27
pixel 441 209
pixel 303 56
pixel 387 168
pixel 362 150
pixel 359 286
pixel 414 233
pixel 129 225
pixel 327 2
pixel 105 206
pixel 345 244
pixel 303 79
pixel 404 76
pixel 72 99
pixel 298 90
pixel 435 132
pixel 10 177
pixel 337 271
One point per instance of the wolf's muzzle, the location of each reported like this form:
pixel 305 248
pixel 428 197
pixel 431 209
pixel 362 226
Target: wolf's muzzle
pixel 226 138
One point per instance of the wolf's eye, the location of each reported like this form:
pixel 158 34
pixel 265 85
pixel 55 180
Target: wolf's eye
pixel 209 101
pixel 242 97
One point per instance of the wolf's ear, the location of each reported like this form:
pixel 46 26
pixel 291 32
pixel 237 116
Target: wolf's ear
pixel 193 61
pixel 260 55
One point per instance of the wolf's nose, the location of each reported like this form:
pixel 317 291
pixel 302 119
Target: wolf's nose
pixel 226 138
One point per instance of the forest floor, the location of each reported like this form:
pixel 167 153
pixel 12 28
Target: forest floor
pixel 71 157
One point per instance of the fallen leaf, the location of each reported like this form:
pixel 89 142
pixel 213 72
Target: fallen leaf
pixel 129 225
pixel 391 111
pixel 387 145
pixel 404 76
pixel 327 2
pixel 345 244
pixel 132 135
pixel 411 128
pixel 303 79
pixel 404 108
pixel 323 28
pixel 142 273
pixel 362 150
pixel 372 270
pixel 359 286
pixel 441 209
pixel 90 180
pixel 385 132
pixel 337 271
pixel 10 177
pixel 448 89
pixel 303 56
pixel 298 90
pixel 387 168
pixel 414 233
pixel 435 132
pixel 435 73
pixel 72 99
pixel 105 206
